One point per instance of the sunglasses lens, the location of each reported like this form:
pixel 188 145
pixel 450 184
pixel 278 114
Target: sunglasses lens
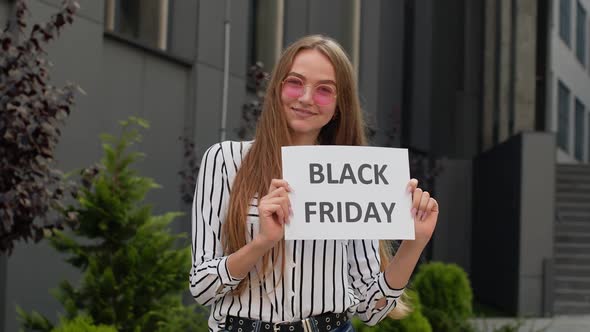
pixel 293 87
pixel 324 95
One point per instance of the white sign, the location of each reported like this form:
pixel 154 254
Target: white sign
pixel 348 192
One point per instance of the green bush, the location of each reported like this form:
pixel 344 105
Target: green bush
pixel 133 267
pixel 446 296
pixel 414 322
pixel 82 324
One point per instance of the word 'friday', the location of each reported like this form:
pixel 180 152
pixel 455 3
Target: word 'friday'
pixel 366 174
pixel 347 211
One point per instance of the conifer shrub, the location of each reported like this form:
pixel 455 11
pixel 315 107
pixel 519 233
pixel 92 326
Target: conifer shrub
pixel 446 296
pixel 133 271
pixel 82 324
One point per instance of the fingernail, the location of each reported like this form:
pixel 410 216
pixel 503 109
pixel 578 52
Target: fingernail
pixel 413 212
pixel 408 189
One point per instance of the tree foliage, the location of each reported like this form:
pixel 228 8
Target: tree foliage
pixel 133 273
pixel 32 189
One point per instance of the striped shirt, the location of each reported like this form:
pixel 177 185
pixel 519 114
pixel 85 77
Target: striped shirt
pixel 320 275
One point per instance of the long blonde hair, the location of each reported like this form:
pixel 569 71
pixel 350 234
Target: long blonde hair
pixel 263 162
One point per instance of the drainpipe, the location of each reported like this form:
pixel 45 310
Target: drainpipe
pixel 227 24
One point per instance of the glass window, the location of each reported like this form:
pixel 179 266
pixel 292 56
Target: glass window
pixel 143 20
pixel 564 20
pixel 579 134
pixel 563 97
pixel 581 33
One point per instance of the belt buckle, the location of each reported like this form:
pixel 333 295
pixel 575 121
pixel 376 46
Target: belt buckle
pixel 306 323
pixel 276 327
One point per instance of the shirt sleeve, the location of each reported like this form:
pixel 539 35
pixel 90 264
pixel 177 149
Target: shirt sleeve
pixel 368 282
pixel 209 277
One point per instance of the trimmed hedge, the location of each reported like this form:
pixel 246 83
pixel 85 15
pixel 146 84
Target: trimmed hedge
pixel 446 296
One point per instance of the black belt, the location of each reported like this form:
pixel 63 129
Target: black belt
pixel 324 322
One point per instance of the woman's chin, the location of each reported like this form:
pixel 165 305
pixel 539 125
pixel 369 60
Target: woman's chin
pixel 303 130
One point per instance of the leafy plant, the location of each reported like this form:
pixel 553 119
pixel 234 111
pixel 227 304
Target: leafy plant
pixel 133 274
pixel 82 324
pixel 257 82
pixel 446 296
pixel 189 171
pixel 31 111
pixel 414 322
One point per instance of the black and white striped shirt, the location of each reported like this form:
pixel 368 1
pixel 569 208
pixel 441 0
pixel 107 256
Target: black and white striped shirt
pixel 320 275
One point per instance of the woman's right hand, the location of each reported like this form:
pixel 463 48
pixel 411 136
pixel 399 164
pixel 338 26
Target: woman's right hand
pixel 274 210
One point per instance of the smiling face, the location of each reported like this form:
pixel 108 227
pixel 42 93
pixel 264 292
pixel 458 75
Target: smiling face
pixel 314 108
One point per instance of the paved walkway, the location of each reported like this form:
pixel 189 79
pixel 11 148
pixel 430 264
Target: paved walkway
pixel 555 324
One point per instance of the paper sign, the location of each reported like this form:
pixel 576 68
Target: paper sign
pixel 348 192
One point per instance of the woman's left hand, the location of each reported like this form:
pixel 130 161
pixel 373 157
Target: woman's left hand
pixel 424 211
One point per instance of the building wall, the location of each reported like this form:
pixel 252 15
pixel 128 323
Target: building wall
pixel 514 195
pixel 564 65
pixel 445 91
pixel 421 69
pixel 509 70
pixel 452 240
pixel 537 215
pixel 381 68
pixel 178 91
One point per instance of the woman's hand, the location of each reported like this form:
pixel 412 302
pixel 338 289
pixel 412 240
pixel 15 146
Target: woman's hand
pixel 424 211
pixel 425 214
pixel 274 210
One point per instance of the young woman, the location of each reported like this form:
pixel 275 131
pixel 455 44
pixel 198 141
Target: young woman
pixel 254 280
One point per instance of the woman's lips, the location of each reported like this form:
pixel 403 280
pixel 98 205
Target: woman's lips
pixel 302 113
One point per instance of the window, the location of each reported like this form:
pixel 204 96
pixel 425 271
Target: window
pixel 143 20
pixel 563 98
pixel 267 32
pixel 579 134
pixel 581 33
pixel 564 20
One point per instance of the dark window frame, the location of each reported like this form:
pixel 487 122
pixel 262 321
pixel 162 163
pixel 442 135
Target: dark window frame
pixel 565 21
pixel 137 39
pixel 563 115
pixel 579 134
pixel 581 37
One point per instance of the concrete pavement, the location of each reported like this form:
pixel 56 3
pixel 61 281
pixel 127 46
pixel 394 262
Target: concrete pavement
pixel 577 323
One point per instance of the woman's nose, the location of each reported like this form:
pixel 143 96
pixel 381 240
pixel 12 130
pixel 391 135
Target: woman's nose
pixel 307 96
